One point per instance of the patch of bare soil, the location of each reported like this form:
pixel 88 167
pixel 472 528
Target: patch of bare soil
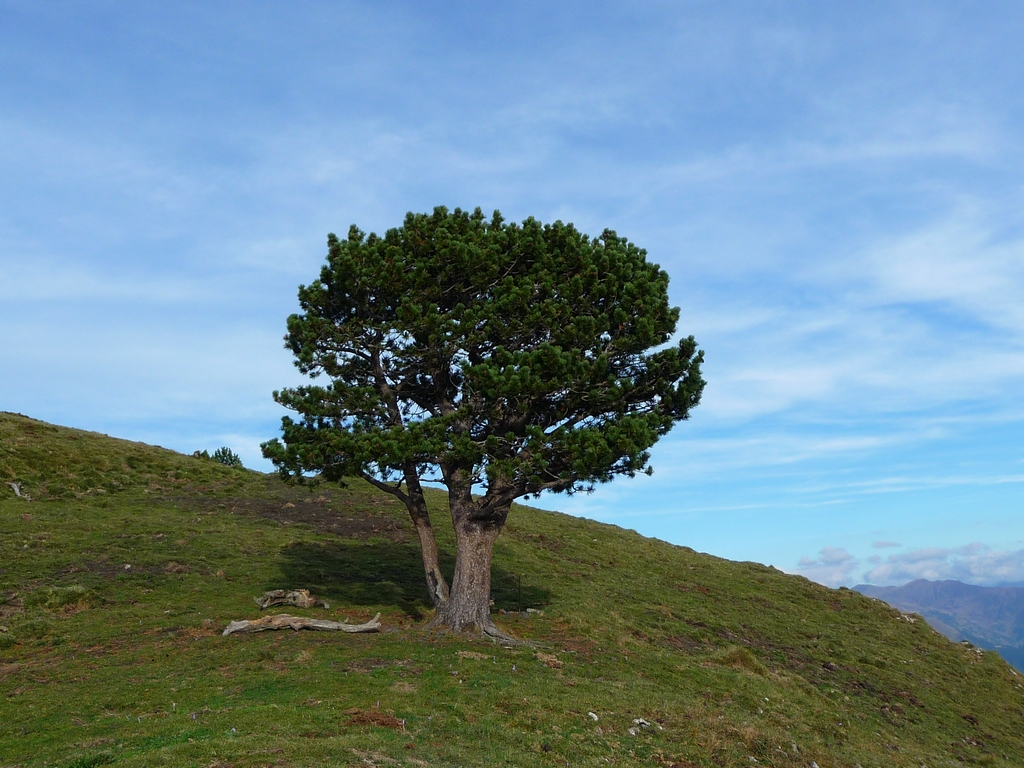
pixel 685 643
pixel 562 637
pixel 317 513
pixel 374 717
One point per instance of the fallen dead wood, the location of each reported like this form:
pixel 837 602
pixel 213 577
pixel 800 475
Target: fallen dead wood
pixel 284 621
pixel 16 487
pixel 297 597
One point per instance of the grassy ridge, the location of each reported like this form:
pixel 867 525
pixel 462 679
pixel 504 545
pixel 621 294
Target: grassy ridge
pixel 729 663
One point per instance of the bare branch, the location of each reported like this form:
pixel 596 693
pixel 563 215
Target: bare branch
pixel 284 621
pixel 394 490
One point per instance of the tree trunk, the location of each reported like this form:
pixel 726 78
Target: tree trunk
pixel 417 506
pixel 469 604
pixel 436 583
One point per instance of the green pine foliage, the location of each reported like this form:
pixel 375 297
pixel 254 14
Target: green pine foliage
pixel 227 457
pixel 222 455
pixel 524 357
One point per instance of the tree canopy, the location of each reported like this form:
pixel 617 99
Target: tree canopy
pixel 501 359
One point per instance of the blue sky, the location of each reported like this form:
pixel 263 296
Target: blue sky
pixel 834 188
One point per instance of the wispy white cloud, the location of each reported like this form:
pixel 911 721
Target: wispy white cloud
pixel 68 365
pixel 833 566
pixel 25 279
pixel 683 455
pixel 923 482
pixel 919 139
pixel 960 263
pixel 974 563
pixel 905 327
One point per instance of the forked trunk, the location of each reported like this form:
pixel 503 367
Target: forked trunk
pixel 436 583
pixel 417 507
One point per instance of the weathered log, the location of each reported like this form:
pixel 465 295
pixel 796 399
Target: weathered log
pixel 284 621
pixel 297 597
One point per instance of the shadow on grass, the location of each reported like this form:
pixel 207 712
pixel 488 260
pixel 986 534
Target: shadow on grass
pixel 388 573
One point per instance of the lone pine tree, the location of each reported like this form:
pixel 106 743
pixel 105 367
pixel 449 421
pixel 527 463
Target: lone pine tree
pixel 502 360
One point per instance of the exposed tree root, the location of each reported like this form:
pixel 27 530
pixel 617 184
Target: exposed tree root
pixel 491 632
pixel 487 629
pixel 283 621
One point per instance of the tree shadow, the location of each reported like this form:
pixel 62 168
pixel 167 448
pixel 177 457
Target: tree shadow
pixel 388 573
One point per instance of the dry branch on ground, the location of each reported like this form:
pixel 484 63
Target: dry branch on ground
pixel 297 597
pixel 284 621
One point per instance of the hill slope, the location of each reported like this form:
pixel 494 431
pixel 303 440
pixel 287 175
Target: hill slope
pixel 990 617
pixel 726 663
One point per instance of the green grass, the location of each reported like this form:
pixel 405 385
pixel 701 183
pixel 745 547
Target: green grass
pixel 105 664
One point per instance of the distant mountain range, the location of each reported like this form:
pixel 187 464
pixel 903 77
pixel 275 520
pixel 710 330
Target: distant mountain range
pixel 989 617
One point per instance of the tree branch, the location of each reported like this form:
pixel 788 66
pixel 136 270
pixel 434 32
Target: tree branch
pixel 386 487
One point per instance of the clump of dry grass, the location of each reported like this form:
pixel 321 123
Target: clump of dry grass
pixel 739 657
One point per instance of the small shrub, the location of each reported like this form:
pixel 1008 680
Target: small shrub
pixel 7 640
pixel 58 597
pixel 35 628
pixel 226 456
pixel 222 455
pixel 136 462
pixel 59 490
pixel 55 598
pixel 88 761
pixel 740 658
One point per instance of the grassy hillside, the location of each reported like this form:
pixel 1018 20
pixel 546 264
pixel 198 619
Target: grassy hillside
pixel 990 617
pixel 118 576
